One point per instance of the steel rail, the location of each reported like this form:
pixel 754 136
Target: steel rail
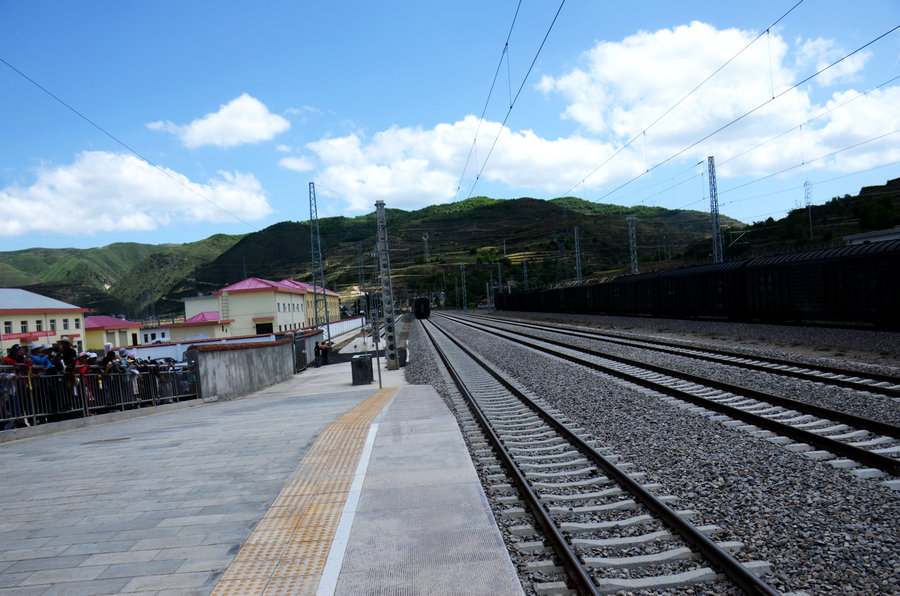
pixel 874 460
pixel 859 422
pixel 577 572
pixel 731 567
pixel 676 348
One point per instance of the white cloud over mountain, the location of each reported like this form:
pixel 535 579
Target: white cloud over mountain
pixel 108 192
pixel 639 88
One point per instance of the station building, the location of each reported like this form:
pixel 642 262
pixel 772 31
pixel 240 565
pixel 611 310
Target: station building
pixel 253 306
pixel 27 317
pixel 101 330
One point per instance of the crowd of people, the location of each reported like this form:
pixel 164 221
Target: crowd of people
pixel 57 379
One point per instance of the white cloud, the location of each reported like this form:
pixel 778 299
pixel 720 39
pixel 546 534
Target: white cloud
pixel 298 164
pixel 108 192
pixel 624 87
pixel 616 94
pixel 816 54
pixel 410 168
pixel 244 119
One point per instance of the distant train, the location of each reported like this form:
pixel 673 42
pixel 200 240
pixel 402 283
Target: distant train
pixel 858 284
pixel 422 308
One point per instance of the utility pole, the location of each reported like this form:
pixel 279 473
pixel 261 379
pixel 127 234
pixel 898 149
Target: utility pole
pixel 425 239
pixel 499 279
pixel 320 305
pixel 387 291
pixel 632 244
pixel 714 211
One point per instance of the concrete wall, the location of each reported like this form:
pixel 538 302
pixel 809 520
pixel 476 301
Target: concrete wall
pixel 226 371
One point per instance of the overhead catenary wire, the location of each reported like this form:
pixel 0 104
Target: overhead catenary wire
pixel 503 53
pixel 809 121
pixel 774 138
pixel 749 112
pixel 125 145
pixel 516 98
pixel 682 100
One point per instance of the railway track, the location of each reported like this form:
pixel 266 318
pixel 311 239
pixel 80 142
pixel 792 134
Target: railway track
pixel 882 384
pixel 870 448
pixel 604 531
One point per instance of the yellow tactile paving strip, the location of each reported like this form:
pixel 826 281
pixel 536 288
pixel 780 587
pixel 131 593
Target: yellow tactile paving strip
pixel 287 551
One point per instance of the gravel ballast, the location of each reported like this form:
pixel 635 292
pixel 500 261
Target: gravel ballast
pixel 823 529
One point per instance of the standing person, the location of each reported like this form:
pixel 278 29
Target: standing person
pixel 68 352
pixel 318 352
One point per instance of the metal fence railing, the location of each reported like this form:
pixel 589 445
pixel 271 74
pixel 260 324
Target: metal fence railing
pixel 29 396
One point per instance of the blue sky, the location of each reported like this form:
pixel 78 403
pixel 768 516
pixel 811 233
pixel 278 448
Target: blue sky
pixel 228 110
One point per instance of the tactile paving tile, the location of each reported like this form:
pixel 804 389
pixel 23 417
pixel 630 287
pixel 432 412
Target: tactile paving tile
pixel 291 586
pixel 241 587
pixel 255 569
pixel 287 551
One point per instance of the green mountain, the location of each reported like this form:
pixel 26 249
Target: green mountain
pixel 491 237
pixel 94 267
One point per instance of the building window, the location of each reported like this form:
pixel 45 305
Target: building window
pixel 7 327
pixel 24 325
pixel 65 324
pixel 53 325
pixel 152 336
pixel 77 323
pixel 38 325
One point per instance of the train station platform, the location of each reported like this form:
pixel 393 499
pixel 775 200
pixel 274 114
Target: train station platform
pixel 312 486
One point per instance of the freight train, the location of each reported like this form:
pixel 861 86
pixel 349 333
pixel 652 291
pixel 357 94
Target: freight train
pixel 422 308
pixel 855 285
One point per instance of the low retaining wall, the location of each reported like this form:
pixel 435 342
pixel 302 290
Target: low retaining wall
pixel 226 371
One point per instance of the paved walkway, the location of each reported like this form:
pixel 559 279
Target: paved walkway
pixel 178 502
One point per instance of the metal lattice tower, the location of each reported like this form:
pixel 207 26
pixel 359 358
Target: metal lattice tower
pixel 320 305
pixel 387 291
pixel 718 257
pixel 525 269
pixel 462 272
pixel 577 258
pixel 807 197
pixel 632 244
pixel 562 271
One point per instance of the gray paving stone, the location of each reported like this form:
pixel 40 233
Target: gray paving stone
pixel 131 556
pixel 8 580
pixel 169 541
pixel 87 588
pixel 132 570
pixel 46 563
pixel 92 548
pixel 32 553
pixel 171 581
pixel 57 576
pixel 24 591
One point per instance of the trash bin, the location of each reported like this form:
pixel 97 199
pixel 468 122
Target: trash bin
pixel 361 367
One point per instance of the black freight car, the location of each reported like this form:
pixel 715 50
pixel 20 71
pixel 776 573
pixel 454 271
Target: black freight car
pixel 852 284
pixel 715 290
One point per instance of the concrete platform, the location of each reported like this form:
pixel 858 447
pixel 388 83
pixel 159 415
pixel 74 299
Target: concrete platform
pixel 310 486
